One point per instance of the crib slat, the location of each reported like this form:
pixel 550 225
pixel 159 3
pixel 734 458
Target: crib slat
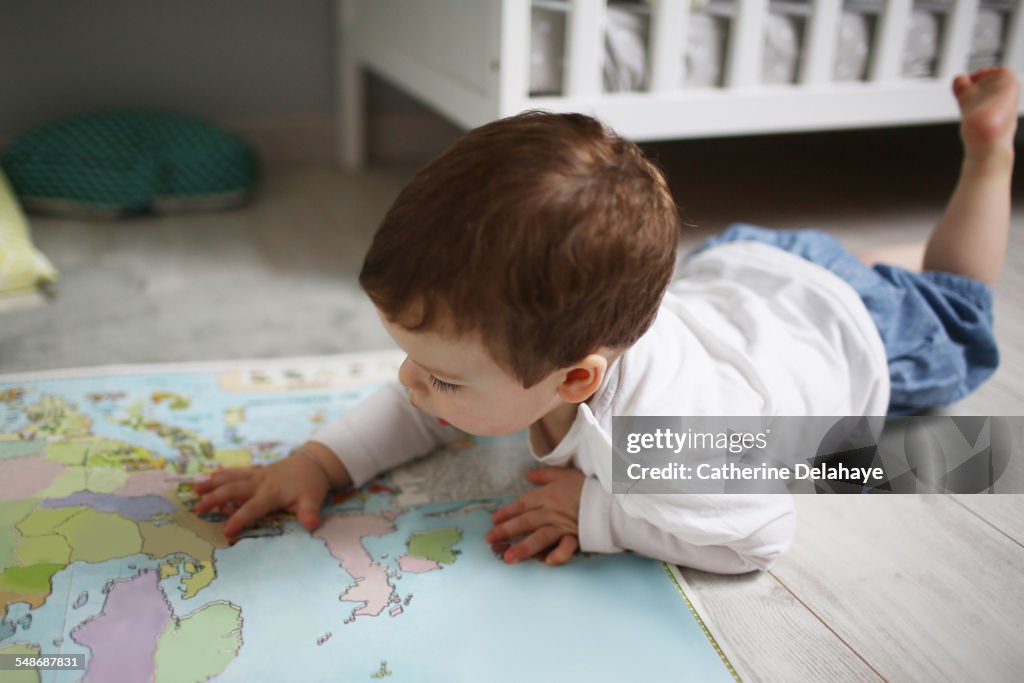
pixel 351 91
pixel 743 64
pixel 513 58
pixel 668 41
pixel 585 48
pixel 1013 55
pixel 957 43
pixel 819 51
pixel 892 37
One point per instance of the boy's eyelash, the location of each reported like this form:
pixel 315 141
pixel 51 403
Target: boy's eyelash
pixel 442 386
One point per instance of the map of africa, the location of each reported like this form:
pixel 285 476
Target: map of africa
pixel 101 555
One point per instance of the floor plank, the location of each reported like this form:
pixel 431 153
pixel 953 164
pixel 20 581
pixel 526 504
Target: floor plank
pixel 916 586
pixel 1004 512
pixel 769 635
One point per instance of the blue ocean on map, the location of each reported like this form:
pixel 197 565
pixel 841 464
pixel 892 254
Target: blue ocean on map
pixel 463 615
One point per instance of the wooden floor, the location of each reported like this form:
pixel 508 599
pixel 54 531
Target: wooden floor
pixel 900 588
pixel 894 588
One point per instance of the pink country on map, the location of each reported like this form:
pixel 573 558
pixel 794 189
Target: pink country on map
pixel 123 637
pixel 343 534
pixel 148 482
pixel 138 637
pixel 26 476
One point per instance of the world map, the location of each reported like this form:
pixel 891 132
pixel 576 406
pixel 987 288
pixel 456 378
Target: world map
pixel 101 555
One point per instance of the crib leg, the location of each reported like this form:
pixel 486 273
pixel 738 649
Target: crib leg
pixel 351 89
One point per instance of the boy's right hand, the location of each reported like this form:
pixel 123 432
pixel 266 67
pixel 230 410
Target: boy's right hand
pixel 295 483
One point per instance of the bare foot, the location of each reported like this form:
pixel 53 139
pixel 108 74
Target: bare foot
pixel 988 106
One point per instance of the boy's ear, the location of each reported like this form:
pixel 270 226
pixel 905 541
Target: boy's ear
pixel 581 380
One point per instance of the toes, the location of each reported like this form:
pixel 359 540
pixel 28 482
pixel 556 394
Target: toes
pixel 989 78
pixel 961 84
pixel 982 73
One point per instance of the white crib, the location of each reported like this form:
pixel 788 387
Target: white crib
pixel 470 60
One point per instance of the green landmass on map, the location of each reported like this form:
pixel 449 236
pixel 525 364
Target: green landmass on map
pixel 193 447
pixel 174 401
pixel 435 544
pixel 36 542
pixel 24 675
pixel 200 645
pixel 52 416
pixel 30 580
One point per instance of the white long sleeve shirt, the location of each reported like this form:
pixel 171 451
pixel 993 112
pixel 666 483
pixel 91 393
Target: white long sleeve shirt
pixel 746 329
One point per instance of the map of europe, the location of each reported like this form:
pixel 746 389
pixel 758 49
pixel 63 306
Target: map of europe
pixel 101 555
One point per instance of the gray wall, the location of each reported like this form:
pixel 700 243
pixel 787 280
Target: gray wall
pixel 235 61
pixel 263 68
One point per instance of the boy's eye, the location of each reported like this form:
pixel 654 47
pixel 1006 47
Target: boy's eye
pixel 442 386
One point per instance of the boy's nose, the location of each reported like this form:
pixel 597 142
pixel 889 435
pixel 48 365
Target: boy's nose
pixel 409 376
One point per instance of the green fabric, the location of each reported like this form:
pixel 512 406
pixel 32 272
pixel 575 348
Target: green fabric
pixel 127 160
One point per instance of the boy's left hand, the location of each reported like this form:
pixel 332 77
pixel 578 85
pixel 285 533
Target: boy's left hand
pixel 545 516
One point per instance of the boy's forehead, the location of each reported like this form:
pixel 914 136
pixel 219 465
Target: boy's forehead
pixel 455 358
pixel 442 353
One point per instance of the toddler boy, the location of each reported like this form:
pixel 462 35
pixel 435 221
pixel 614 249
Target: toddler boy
pixel 526 273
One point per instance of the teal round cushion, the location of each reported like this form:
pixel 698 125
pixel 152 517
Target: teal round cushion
pixel 126 161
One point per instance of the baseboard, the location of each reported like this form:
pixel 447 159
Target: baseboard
pixel 306 138
pixel 395 135
pixel 288 139
pixel 413 136
pixel 402 134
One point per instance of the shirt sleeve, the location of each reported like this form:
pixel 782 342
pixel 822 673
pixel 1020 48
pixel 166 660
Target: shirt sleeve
pixel 382 432
pixel 722 533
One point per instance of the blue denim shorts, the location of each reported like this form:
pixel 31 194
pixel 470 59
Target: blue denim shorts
pixel 936 326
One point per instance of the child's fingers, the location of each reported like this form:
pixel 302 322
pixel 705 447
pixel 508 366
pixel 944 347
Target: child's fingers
pixel 307 510
pixel 253 509
pixel 517 526
pixel 205 484
pixel 233 491
pixel 540 539
pixel 236 491
pixel 513 509
pixel 563 553
pixel 220 477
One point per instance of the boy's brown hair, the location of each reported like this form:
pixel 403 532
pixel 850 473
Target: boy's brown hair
pixel 546 234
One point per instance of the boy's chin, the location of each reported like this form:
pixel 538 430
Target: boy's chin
pixel 492 430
